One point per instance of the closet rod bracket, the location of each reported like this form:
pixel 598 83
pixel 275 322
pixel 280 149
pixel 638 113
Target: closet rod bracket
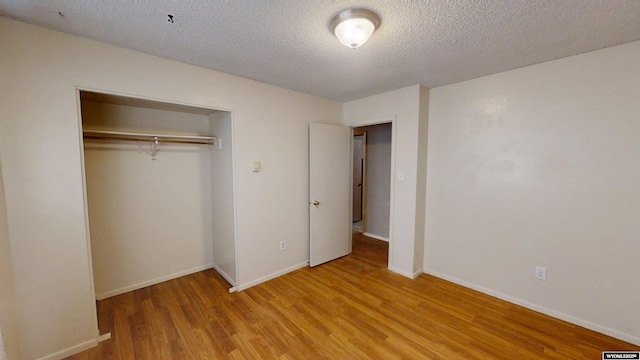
pixel 154 147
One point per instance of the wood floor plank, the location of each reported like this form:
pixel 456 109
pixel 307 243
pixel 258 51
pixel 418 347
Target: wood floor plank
pixel 350 308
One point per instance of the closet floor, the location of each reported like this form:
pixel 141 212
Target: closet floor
pixel 350 308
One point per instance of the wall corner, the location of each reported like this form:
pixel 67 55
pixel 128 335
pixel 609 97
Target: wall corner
pixel 421 179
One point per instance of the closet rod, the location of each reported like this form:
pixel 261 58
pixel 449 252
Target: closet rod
pixel 129 136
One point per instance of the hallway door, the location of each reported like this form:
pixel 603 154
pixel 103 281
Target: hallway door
pixel 329 192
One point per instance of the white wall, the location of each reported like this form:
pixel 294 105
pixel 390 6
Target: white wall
pixel 403 107
pixel 539 166
pixel 378 180
pixel 150 220
pixel 223 209
pixel 40 143
pixel 8 323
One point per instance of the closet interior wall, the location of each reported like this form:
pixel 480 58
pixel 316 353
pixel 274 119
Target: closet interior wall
pixel 222 198
pixel 8 318
pixel 150 219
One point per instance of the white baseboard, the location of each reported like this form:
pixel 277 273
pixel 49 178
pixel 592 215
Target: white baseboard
pixel 541 309
pixel 402 272
pixel 64 353
pixel 378 237
pixel 140 285
pixel 225 275
pixel 272 276
pixel 406 273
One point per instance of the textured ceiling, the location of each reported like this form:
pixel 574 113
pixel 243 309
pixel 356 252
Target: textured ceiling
pixel 288 42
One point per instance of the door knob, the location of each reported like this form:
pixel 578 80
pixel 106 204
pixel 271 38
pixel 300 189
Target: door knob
pixel 316 203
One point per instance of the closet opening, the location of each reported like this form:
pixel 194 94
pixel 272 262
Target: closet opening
pixel 159 191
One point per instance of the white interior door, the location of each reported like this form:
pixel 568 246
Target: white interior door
pixel 329 192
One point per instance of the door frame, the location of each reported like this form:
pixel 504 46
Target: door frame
pixel 392 183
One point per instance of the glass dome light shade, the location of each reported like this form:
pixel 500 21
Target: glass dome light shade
pixel 353 27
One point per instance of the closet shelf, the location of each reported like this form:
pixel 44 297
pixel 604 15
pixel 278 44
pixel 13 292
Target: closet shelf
pixel 130 136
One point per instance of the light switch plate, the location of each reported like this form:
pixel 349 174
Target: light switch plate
pixel 255 166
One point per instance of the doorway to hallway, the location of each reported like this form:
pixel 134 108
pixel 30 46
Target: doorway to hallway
pixel 372 180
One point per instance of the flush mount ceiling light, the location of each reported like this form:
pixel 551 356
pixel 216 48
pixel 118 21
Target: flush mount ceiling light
pixel 353 27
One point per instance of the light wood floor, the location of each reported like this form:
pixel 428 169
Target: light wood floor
pixel 350 308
